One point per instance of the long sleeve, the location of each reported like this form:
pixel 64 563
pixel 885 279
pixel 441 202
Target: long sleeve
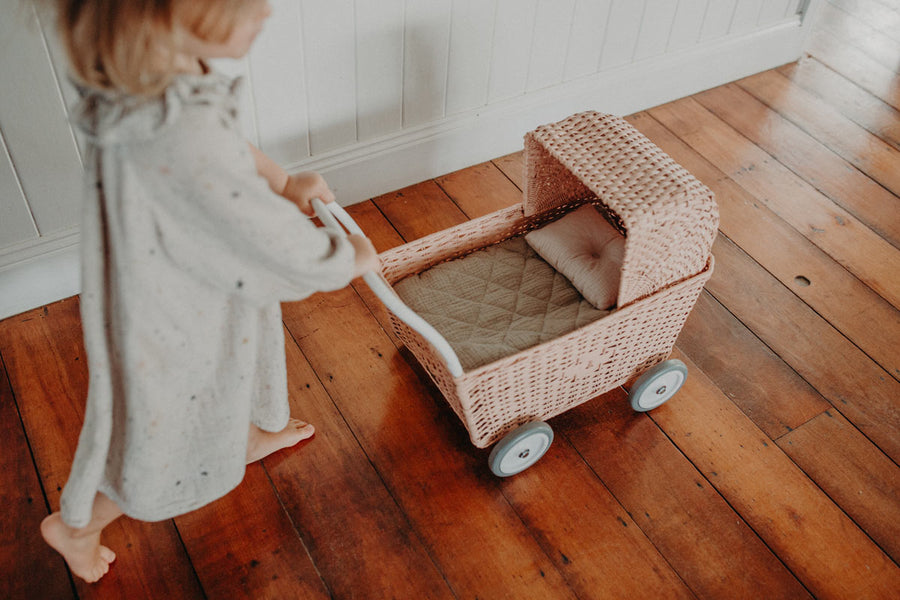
pixel 216 218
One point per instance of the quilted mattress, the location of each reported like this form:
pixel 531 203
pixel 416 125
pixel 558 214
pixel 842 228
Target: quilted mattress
pixel 497 301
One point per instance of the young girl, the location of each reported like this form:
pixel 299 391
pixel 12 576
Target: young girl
pixel 191 237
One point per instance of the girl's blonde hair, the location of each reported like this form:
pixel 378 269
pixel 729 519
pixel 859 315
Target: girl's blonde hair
pixel 129 45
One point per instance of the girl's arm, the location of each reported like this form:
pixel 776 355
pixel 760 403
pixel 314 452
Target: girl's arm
pixel 299 189
pixel 269 169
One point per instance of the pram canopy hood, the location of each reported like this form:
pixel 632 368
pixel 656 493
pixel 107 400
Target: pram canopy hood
pixel 669 217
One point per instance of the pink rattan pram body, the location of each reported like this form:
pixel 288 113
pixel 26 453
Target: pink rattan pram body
pixel 669 219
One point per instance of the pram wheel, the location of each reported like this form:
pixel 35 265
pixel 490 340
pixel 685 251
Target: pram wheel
pixel 520 448
pixel 657 385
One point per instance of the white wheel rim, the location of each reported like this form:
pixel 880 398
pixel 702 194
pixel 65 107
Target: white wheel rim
pixel 660 389
pixel 524 453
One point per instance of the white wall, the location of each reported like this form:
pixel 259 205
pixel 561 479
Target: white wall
pixel 379 94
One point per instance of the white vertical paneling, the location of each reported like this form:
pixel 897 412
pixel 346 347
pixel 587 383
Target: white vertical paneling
pixel 550 43
pixel 278 89
pixel 586 37
pixel 513 29
pixel 329 47
pixel 241 68
pixel 622 33
pixel 57 53
pixel 379 67
pixel 426 41
pixel 773 11
pixel 746 15
pixel 686 25
pixel 469 66
pixel 653 37
pixel 35 123
pixel 60 63
pixel 15 219
pixel 379 94
pixel 717 21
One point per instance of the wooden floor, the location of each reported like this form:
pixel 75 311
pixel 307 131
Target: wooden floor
pixel 772 474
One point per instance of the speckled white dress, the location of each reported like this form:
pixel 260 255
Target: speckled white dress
pixel 186 255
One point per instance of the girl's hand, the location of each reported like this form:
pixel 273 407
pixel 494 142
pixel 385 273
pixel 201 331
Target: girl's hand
pixel 303 187
pixel 366 257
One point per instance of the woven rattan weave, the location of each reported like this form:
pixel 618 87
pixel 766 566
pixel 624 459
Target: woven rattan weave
pixel 669 220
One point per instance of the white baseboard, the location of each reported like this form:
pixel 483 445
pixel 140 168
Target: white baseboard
pixel 53 275
pixel 368 169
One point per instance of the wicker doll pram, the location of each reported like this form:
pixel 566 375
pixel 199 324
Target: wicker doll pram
pixel 669 220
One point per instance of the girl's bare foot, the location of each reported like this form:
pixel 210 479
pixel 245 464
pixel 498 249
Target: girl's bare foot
pixel 263 443
pixel 84 554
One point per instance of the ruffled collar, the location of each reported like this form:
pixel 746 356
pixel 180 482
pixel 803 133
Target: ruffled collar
pixel 112 118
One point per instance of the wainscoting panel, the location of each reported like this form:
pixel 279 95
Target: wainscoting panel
pixel 16 224
pixel 379 94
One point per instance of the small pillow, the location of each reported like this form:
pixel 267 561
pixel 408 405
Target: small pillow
pixel 585 248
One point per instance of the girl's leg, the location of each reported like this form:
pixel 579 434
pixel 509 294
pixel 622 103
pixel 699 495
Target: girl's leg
pixel 81 547
pixel 263 443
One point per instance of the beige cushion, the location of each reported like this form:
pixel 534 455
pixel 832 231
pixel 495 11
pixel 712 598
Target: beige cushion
pixel 585 248
pixel 496 302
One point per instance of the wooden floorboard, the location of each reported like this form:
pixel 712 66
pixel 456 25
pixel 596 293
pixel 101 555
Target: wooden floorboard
pixel 864 28
pixel 626 563
pixel 45 359
pixel 846 97
pixel 841 235
pixel 790 517
pixel 788 125
pixel 24 508
pixel 421 453
pixel 357 534
pixel 275 565
pixel 792 258
pixel 854 144
pixel 772 474
pixel 714 551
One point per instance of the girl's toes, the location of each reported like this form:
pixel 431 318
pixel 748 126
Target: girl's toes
pixel 302 426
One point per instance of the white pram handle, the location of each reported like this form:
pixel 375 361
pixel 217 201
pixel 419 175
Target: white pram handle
pixel 331 214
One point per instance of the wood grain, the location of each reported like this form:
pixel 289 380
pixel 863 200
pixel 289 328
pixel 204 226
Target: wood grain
pixel 421 451
pixel 850 380
pixel 513 166
pixel 356 533
pixel 276 565
pixel 791 517
pixel 24 507
pixel 830 227
pixel 626 563
pixel 419 210
pixel 771 474
pixel 859 478
pixel 480 190
pixel 858 147
pixel 807 151
pixel 797 263
pixel 863 28
pixel 765 388
pixel 713 550
pixel 47 369
pixel 857 66
pixel 589 535
pixel 852 101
